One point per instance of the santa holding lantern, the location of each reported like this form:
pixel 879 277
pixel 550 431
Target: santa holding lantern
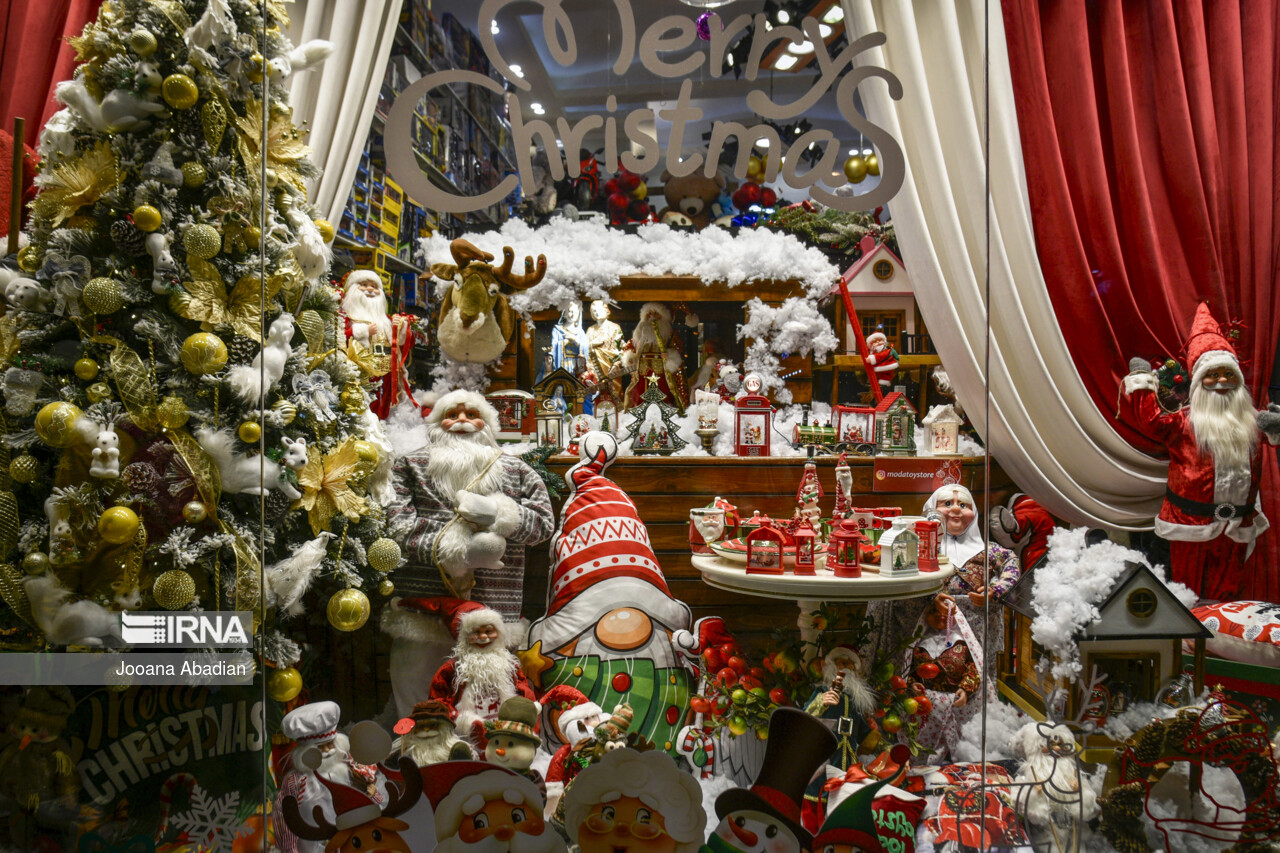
pixel 368 325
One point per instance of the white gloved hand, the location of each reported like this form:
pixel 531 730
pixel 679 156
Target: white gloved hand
pixel 480 510
pixel 485 550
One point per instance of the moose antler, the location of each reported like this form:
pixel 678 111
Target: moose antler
pixel 464 252
pixel 519 282
pixel 403 799
pixel 322 831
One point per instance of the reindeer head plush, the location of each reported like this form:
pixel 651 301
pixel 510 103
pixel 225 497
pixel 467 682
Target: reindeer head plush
pixel 475 320
pixel 359 825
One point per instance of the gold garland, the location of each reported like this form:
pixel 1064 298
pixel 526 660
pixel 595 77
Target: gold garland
pixel 133 381
pixel 15 594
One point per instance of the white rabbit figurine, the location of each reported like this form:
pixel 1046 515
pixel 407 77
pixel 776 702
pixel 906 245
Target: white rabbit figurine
pixel 106 456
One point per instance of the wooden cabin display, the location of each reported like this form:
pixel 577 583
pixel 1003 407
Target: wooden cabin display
pixel 896 425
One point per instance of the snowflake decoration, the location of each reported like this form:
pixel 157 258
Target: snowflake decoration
pixel 211 823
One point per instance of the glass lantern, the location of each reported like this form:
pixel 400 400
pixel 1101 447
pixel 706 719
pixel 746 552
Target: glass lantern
pixel 844 548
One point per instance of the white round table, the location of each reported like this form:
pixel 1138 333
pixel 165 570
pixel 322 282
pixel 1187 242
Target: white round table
pixel 809 591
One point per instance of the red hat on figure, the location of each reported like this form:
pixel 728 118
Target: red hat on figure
pixel 564 704
pixel 461 616
pixel 452 787
pixel 351 807
pixel 1206 346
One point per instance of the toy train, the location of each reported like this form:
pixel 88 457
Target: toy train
pixel 822 439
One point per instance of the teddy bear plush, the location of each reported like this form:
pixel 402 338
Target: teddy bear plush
pixel 692 195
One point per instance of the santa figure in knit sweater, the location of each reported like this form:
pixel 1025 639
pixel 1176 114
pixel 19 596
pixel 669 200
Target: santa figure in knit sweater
pixel 463 512
pixel 482 673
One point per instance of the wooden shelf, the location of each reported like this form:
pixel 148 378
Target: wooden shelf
pixel 681 288
pixel 905 362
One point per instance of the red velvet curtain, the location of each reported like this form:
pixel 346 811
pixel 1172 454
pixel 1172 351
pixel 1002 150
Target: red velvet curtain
pixel 36 56
pixel 1149 136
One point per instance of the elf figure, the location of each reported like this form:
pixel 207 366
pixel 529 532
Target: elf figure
pixel 482 673
pixel 851 826
pixel 608 628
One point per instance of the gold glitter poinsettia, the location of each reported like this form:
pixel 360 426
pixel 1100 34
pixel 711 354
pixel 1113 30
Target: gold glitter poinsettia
pixel 370 363
pixel 75 183
pixel 284 144
pixel 205 299
pixel 325 492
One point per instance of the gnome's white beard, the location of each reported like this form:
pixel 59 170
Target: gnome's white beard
pixel 361 309
pixel 646 341
pixel 1225 426
pixel 457 458
pixel 855 687
pixel 519 843
pixel 429 747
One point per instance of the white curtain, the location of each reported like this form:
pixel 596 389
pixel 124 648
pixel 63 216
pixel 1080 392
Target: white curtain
pixel 336 100
pixel 1044 429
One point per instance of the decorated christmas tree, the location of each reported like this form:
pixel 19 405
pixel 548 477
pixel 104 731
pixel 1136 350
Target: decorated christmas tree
pixel 180 405
pixel 653 428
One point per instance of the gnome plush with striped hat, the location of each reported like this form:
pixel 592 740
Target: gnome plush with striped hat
pixel 608 627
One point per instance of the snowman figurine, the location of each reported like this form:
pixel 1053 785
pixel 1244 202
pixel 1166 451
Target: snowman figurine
pixel 106 455
pixel 514 739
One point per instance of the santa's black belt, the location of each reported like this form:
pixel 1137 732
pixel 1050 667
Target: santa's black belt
pixel 1221 512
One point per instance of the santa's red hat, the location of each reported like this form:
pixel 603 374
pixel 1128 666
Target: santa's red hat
pixel 357 276
pixel 601 536
pixel 563 704
pixel 1206 346
pixel 462 617
pixel 351 807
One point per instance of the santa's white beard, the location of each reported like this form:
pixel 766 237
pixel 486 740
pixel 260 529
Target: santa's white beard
pixel 458 458
pixel 855 687
pixel 430 747
pixel 1225 425
pixel 490 666
pixel 362 309
pixel 334 764
pixel 646 341
pixel 519 843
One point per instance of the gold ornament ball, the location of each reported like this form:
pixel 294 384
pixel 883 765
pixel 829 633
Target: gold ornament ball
pixel 180 91
pixel 172 413
pixel 386 588
pixel 272 178
pixel 56 423
pixel 366 452
pixel 384 555
pixel 256 63
pixel 102 296
pixel 97 392
pixel 327 232
pixel 285 412
pixel 193 174
pixel 249 432
pixel 146 217
pixel 174 589
pixel 203 352
pixel 86 368
pixel 35 563
pixel 348 609
pixel 142 42
pixel 195 512
pixel 203 241
pixel 118 525
pixel 283 685
pixel 855 169
pixel 252 235
pixel 24 468
pixel 29 259
pixel 873 164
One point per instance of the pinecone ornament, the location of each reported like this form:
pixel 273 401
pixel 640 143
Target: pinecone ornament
pixel 276 505
pixel 241 350
pixel 128 238
pixel 141 478
pixel 189 124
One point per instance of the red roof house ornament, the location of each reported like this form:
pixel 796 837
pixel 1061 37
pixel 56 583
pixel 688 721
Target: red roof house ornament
pixel 896 425
pixel 765 546
pixel 843 549
pixel 752 425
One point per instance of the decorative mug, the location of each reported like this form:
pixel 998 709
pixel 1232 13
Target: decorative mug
pixel 706 525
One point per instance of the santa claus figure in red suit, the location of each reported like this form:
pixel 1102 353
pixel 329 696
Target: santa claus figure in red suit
pixel 654 349
pixel 482 672
pixel 1210 514
pixel 882 359
pixel 364 307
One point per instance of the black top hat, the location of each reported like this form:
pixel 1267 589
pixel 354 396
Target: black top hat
pixel 798 745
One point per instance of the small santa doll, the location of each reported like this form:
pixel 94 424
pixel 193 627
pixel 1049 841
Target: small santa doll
pixel 482 673
pixel 883 360
pixel 429 738
pixel 571 718
pixel 364 308
pixel 653 349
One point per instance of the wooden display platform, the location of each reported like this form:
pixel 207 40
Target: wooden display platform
pixel 664 489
